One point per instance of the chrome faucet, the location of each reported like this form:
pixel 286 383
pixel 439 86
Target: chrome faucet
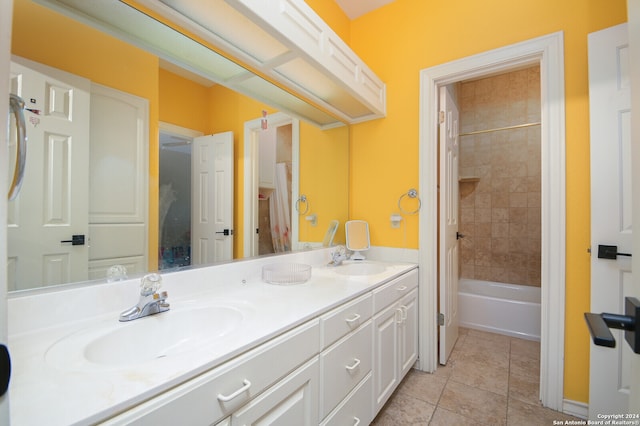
pixel 338 255
pixel 150 302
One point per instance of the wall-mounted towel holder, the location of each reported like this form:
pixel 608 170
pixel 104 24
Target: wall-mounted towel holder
pixel 599 325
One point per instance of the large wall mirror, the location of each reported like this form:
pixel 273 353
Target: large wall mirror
pixel 116 186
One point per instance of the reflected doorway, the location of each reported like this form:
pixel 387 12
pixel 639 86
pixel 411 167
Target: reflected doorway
pixel 174 200
pixel 271 161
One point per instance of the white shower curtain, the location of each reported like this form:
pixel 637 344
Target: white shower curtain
pixel 279 211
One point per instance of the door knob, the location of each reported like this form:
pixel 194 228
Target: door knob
pixel 76 240
pixel 609 252
pixel 459 235
pixel 599 325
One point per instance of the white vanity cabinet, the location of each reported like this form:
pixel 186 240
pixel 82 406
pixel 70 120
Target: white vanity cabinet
pixel 395 342
pixel 346 362
pixel 337 369
pixel 224 390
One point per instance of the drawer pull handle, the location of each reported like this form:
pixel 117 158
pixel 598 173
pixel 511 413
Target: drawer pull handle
pixel 245 386
pixel 353 319
pixel 353 366
pixel 398 316
pixel 402 288
pixel 403 313
pixel 356 421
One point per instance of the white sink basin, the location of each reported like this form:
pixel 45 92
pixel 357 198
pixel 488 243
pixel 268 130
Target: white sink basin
pixel 146 339
pixel 360 268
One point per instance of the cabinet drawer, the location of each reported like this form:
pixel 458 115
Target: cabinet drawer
pixel 356 408
pixel 291 401
pixel 345 319
pixel 219 392
pixel 389 293
pixel 343 366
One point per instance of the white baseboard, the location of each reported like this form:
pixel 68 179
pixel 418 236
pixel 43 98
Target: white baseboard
pixel 575 408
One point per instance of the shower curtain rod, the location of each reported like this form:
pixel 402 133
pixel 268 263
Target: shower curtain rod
pixel 517 126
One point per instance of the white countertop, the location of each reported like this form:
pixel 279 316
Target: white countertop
pixel 54 387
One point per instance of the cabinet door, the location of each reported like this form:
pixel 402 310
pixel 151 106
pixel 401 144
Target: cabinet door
pixel 408 332
pixel 292 401
pixel 386 355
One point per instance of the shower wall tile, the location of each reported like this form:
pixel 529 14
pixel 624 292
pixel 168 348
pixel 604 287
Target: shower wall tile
pixel 500 214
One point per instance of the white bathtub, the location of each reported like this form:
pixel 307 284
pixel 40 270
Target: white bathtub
pixel 513 310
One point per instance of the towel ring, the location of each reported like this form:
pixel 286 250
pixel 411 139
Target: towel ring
pixel 412 193
pixel 302 199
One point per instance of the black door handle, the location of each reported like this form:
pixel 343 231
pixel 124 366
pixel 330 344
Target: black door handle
pixel 76 240
pixel 459 235
pixel 5 369
pixel 225 232
pixel 599 325
pixel 609 252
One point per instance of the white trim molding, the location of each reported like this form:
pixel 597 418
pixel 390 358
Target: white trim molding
pixel 548 52
pixel 575 409
pixel 250 164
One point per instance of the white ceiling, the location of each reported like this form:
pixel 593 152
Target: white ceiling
pixel 356 8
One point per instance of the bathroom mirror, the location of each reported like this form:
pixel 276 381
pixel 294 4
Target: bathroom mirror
pixel 49 37
pixel 357 234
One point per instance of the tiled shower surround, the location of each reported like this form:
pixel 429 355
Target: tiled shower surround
pixel 500 178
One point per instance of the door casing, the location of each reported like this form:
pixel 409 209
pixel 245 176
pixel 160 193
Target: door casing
pixel 548 52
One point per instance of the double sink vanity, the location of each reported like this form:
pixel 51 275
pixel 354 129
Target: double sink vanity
pixel 231 350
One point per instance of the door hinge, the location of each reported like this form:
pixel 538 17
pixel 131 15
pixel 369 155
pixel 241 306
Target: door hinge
pixel 441 117
pixel 440 319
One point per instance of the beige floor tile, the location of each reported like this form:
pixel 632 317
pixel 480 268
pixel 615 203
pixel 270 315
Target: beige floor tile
pixel 442 417
pixel 528 348
pixel 481 375
pixel 477 342
pixel 424 386
pixel 489 379
pixel 524 388
pixel 477 404
pixel 404 410
pixel 525 366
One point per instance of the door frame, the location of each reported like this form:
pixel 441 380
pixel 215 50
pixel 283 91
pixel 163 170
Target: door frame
pixel 548 52
pixel 250 209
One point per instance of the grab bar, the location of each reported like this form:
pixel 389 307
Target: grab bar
pixel 16 104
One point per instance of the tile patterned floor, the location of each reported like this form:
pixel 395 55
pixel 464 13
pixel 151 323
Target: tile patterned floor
pixel 490 379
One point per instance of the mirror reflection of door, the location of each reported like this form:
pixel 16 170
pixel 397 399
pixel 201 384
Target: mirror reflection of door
pixel 52 205
pixel 274 189
pixel 174 200
pixel 195 214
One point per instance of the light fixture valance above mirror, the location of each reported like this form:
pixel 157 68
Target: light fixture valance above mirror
pixel 288 45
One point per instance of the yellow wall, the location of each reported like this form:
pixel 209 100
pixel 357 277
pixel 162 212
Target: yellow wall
pixel 406 36
pixel 183 102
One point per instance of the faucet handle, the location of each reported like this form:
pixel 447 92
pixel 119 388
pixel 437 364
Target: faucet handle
pixel 150 284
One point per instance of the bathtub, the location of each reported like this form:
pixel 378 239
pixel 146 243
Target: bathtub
pixel 513 310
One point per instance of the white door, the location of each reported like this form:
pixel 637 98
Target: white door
pixel 212 198
pixel 449 154
pixel 53 204
pixel 611 215
pixel 118 177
